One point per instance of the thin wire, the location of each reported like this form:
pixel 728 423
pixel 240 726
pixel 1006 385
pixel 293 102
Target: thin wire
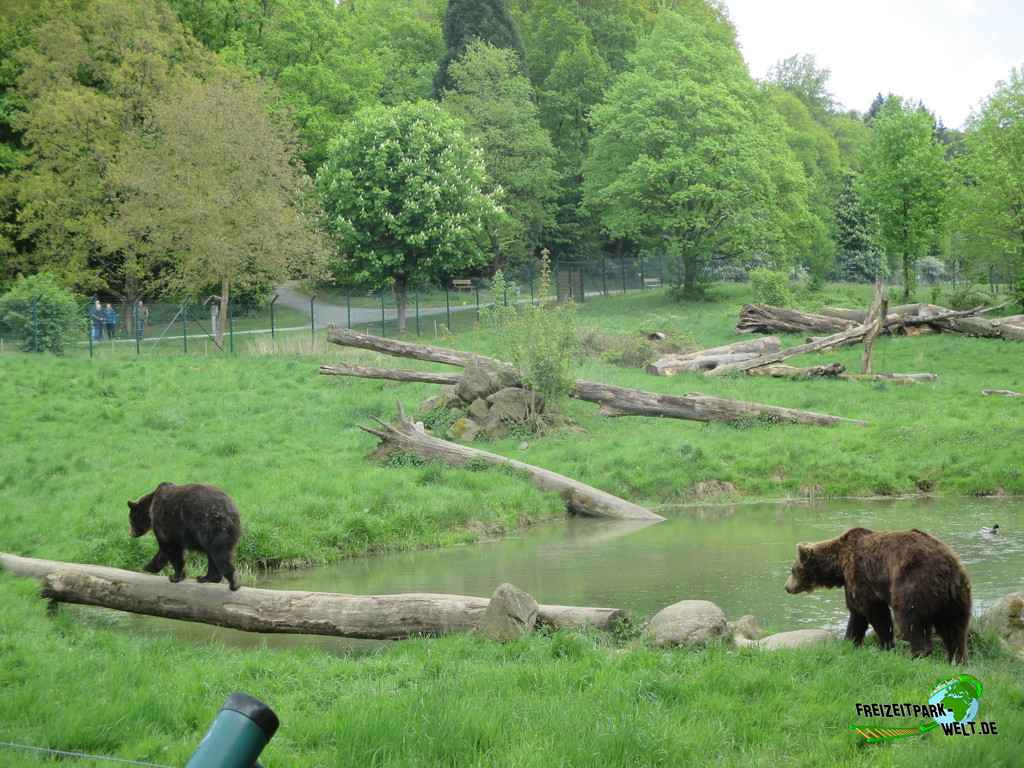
pixel 62 753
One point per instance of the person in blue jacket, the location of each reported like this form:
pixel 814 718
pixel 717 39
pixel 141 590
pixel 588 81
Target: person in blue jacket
pixel 110 321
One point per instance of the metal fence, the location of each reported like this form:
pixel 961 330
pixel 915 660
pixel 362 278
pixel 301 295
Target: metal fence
pixel 293 318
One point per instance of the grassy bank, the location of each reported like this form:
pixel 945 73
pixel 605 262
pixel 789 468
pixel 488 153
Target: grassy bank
pixel 73 682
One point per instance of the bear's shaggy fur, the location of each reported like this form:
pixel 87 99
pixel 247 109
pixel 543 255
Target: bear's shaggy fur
pixel 911 572
pixel 189 517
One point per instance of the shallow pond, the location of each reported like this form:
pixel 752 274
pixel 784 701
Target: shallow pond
pixel 736 556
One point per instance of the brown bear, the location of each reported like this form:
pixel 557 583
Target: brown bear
pixel 189 517
pixel 916 575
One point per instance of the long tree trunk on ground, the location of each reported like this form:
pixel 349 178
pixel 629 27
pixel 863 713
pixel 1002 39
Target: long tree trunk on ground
pixel 381 617
pixel 406 437
pixel 705 359
pixel 394 374
pixel 618 401
pixel 762 318
pixel 225 287
pixel 401 299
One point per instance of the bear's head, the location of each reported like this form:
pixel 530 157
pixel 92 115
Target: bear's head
pixel 816 566
pixel 139 518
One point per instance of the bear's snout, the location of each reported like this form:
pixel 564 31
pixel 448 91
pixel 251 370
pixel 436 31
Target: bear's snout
pixel 791 586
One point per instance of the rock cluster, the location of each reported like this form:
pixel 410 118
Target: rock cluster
pixel 491 403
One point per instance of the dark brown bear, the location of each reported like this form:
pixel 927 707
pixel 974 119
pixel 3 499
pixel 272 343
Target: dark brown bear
pixel 196 517
pixel 916 575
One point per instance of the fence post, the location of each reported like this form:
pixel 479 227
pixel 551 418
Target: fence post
pixel 184 326
pixel 312 317
pixel 272 301
pixel 477 287
pixel 447 307
pixel 643 282
pixel 383 330
pixel 231 328
pixel 558 282
pixel 622 264
pixel 604 276
pixel 348 306
pixel 417 310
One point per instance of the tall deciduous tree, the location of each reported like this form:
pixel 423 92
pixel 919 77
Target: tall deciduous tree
pixel 904 184
pixel 496 106
pixel 211 193
pixel 990 196
pixel 469 20
pixel 801 76
pixel 687 151
pixel 403 196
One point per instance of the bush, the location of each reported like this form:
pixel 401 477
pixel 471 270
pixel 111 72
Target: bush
pixel 968 297
pixel 56 319
pixel 1018 293
pixel 771 287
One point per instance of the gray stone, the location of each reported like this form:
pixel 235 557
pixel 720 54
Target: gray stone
pixel 431 403
pixel 513 405
pixel 523 445
pixel 464 429
pixel 476 382
pixel 1006 618
pixel 794 639
pixel 688 622
pixel 478 409
pixel 747 628
pixel 511 614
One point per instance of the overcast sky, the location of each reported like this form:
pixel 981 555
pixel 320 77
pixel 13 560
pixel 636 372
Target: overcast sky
pixel 947 53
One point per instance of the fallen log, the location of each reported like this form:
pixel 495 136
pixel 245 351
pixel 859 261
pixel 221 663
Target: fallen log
pixel 851 336
pixel 1008 328
pixel 832 370
pixel 903 378
pixel 764 318
pixel 392 374
pixel 371 617
pixel 619 401
pixel 704 359
pixel 406 437
pixel 614 401
pixel 1002 392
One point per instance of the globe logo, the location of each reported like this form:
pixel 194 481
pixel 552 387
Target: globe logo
pixel 959 697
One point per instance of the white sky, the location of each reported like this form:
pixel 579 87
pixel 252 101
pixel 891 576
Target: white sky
pixel 947 53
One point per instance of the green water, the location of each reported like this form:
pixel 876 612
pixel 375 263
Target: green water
pixel 736 556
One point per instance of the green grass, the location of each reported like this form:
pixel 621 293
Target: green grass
pixel 83 436
pixel 74 682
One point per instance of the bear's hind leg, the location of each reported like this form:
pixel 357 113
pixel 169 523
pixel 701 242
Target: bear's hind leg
pixel 915 631
pixel 856 627
pixel 212 572
pixel 954 638
pixel 223 562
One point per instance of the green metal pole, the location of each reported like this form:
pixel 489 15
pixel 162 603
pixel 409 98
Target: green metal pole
pixel 312 316
pixel 231 329
pixel 348 304
pixel 383 329
pixel 272 302
pixel 643 283
pixel 417 310
pixel 477 303
pixel 448 307
pixel 622 263
pixel 604 276
pixel 184 326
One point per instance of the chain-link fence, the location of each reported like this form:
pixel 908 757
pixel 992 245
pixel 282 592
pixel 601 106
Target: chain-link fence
pixel 295 319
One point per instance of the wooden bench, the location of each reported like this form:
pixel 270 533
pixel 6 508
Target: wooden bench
pixel 652 282
pixel 462 285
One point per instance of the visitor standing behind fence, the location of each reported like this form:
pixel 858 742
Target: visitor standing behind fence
pixel 110 320
pixel 96 319
pixel 141 314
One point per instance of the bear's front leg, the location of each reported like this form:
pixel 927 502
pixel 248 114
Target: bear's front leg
pixel 856 628
pixel 157 563
pixel 177 559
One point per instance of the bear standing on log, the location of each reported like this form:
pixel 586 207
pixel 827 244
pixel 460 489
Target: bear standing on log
pixel 916 575
pixel 189 517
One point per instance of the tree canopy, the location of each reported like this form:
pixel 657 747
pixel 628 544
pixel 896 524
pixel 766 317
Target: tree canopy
pixel 488 21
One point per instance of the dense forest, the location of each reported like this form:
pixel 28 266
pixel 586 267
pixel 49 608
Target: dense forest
pixel 185 147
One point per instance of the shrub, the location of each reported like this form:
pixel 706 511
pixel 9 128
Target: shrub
pixel 1018 292
pixel 56 318
pixel 771 287
pixel 968 297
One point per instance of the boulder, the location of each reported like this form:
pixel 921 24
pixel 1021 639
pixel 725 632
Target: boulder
pixel 477 382
pixel 511 614
pixel 794 639
pixel 513 404
pixel 746 627
pixel 478 409
pixel 688 622
pixel 1006 618
pixel 464 429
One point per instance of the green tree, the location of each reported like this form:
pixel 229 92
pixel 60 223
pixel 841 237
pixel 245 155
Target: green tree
pixel 687 152
pixel 801 76
pixel 403 196
pixel 859 257
pixel 39 311
pixel 210 193
pixel 495 105
pixel 905 184
pixel 989 199
pixel 469 20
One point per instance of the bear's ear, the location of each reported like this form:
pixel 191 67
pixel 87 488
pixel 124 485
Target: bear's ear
pixel 804 551
pixel 131 505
